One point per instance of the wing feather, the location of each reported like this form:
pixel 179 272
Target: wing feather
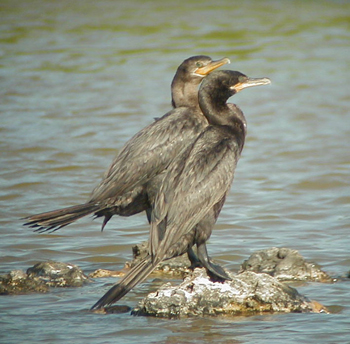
pixel 194 183
pixel 147 153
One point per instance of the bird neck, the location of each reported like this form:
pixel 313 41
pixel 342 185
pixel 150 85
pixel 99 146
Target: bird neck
pixel 184 93
pixel 218 112
pixel 225 115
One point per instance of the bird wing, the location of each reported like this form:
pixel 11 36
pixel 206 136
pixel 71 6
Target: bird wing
pixel 194 183
pixel 146 154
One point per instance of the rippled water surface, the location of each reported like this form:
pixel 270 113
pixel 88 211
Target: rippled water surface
pixel 78 78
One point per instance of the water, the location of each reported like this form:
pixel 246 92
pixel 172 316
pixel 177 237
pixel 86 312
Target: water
pixel 80 78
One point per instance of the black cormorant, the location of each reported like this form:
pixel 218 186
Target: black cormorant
pixel 194 187
pixel 145 156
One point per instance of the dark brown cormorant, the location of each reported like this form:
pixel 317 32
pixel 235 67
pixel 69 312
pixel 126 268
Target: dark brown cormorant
pixel 145 156
pixel 195 185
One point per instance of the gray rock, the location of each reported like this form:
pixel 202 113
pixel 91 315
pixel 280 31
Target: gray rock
pixel 284 264
pixel 41 277
pixel 247 293
pixel 100 273
pixel 178 266
pixel 58 274
pixel 18 282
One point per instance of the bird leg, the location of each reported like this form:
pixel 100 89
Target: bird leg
pixel 149 214
pixel 195 263
pixel 216 272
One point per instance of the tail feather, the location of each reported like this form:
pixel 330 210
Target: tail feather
pixel 56 219
pixel 136 275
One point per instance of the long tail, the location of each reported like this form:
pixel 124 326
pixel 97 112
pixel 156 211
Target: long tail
pixel 56 219
pixel 136 275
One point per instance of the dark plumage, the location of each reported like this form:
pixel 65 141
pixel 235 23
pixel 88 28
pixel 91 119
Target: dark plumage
pixel 194 187
pixel 123 190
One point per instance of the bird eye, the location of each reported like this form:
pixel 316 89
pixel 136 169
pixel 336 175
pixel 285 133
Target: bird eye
pixel 199 64
pixel 242 78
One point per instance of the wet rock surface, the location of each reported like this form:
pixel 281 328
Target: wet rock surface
pixel 58 274
pixel 100 273
pixel 284 264
pixel 248 293
pixel 257 289
pixel 18 282
pixel 41 277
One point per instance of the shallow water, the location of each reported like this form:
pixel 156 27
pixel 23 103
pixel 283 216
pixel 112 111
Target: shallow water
pixel 80 78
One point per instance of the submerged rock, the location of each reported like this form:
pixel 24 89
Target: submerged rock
pixel 284 264
pixel 247 293
pixel 41 277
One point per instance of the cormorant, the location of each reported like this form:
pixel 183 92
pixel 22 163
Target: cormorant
pixel 145 156
pixel 195 184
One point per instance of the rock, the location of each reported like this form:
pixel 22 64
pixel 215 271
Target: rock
pixel 41 277
pixel 284 264
pixel 18 282
pixel 117 309
pixel 106 273
pixel 178 266
pixel 247 293
pixel 58 274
